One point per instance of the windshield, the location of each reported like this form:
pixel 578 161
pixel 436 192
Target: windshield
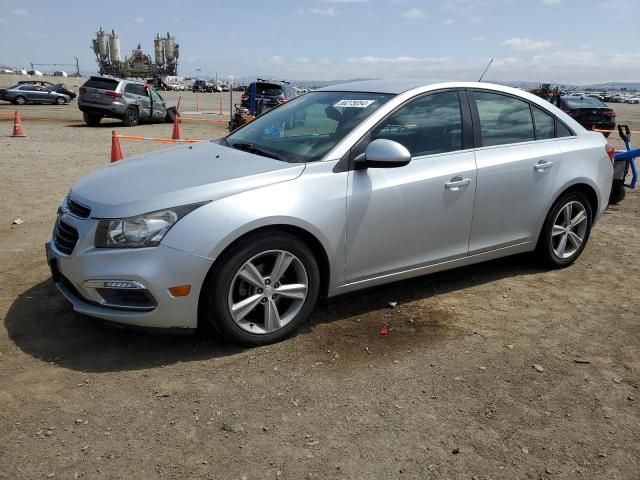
pixel 306 128
pixel 584 102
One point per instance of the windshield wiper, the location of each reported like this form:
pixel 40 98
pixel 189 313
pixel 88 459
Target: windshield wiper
pixel 251 148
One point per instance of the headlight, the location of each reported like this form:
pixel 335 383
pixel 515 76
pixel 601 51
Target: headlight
pixel 145 230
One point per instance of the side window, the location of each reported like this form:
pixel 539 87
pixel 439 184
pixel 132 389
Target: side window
pixel 545 124
pixel 155 96
pixel 503 119
pixel 429 125
pixel 130 88
pixel 563 131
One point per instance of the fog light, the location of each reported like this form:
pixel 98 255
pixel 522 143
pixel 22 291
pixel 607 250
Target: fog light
pixel 180 290
pixel 120 284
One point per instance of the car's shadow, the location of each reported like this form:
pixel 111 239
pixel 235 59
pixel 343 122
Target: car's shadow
pixel 41 323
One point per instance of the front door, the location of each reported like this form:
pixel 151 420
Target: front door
pixel 158 110
pixel 419 214
pixel 517 166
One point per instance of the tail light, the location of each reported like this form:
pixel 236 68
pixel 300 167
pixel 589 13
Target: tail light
pixel 611 152
pixel 609 113
pixel 281 100
pixel 112 94
pixel 83 90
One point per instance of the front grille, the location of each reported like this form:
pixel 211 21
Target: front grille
pixel 127 298
pixel 78 210
pixel 65 237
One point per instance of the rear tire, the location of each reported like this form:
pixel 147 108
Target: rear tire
pixel 20 100
pixel 131 117
pixel 566 231
pixel 277 301
pixel 91 119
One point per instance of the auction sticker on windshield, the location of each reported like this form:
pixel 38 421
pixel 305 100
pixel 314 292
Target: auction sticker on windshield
pixel 354 103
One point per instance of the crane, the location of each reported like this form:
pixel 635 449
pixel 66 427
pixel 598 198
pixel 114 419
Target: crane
pixel 59 65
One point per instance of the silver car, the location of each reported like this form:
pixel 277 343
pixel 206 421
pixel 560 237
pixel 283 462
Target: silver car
pixel 128 100
pixel 341 189
pixel 24 93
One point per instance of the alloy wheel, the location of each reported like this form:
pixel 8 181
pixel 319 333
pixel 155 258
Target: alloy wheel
pixel 267 292
pixel 569 230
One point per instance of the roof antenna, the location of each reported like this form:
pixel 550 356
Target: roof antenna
pixel 485 70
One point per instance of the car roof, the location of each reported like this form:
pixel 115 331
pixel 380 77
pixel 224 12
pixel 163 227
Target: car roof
pixel 396 87
pixel 108 77
pixel 577 97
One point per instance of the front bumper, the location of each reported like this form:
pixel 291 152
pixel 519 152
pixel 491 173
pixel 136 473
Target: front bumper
pixel 79 275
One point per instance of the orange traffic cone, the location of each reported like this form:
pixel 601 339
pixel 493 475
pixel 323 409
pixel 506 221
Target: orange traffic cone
pixel 177 134
pixel 18 130
pixel 116 151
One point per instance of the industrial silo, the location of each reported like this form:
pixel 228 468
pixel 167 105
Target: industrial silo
pixel 114 47
pixel 103 43
pixel 158 44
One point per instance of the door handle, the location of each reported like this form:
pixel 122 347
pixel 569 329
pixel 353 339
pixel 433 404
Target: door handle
pixel 457 183
pixel 543 165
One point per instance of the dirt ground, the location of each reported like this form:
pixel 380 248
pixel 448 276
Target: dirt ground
pixel 450 392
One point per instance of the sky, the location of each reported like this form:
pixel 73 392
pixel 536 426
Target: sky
pixel 557 41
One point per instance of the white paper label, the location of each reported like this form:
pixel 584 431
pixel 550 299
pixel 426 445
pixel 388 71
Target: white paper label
pixel 353 103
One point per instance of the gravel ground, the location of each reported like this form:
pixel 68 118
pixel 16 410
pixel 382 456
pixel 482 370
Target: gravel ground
pixel 500 370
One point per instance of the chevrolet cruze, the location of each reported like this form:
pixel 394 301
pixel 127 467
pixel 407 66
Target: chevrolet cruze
pixel 341 189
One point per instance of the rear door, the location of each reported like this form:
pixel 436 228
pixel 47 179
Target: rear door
pixel 517 162
pixel 30 92
pixel 138 95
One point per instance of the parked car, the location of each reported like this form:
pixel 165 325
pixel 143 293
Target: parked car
pixel 588 112
pixel 380 182
pixel 21 94
pixel 200 86
pixel 127 100
pixel 632 100
pixel 56 87
pixel 268 95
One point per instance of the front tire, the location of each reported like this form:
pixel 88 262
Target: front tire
pixel 566 230
pixel 60 101
pixel 131 117
pixel 171 115
pixel 20 100
pixel 263 290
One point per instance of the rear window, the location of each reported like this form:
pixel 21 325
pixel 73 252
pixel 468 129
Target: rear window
pixel 583 102
pixel 269 89
pixel 101 83
pixel 503 120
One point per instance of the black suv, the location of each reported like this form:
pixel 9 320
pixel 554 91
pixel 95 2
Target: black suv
pixel 200 86
pixel 269 94
pixel 588 112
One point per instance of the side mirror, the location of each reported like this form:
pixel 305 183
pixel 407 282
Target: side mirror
pixel 383 153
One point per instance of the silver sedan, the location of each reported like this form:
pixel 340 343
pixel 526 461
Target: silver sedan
pixel 338 190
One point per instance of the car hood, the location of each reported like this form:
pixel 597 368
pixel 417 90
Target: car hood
pixel 177 176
